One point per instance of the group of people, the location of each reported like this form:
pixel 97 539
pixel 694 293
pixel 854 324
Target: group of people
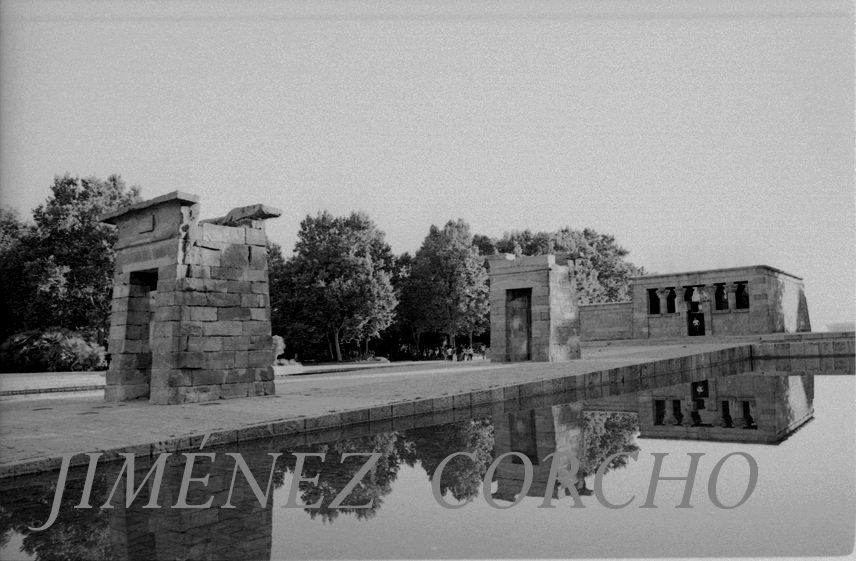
pixel 447 352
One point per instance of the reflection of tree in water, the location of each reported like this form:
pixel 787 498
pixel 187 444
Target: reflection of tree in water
pixel 607 434
pixel 460 476
pixel 85 533
pixel 77 533
pixel 429 446
pixel 333 475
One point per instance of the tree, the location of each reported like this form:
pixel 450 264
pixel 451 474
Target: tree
pixel 58 271
pixel 334 474
pixel 337 285
pixel 602 273
pixel 11 229
pixel 282 317
pixel 461 476
pixel 447 290
pixel 608 433
pixel 485 245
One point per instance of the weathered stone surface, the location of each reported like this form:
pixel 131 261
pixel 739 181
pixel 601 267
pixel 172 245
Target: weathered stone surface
pixel 211 232
pixel 225 314
pixel 236 343
pixel 203 313
pixel 235 256
pixel 190 312
pixel 210 377
pixel 533 310
pixel 255 237
pixel 260 358
pixel 258 257
pixel 256 328
pixel 220 300
pixel 242 215
pixel 240 375
pixel 229 391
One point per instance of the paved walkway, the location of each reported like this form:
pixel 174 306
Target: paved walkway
pixel 49 382
pixel 35 430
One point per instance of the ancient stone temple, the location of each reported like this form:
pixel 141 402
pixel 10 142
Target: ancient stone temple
pixel 191 310
pixel 533 309
pixel 718 302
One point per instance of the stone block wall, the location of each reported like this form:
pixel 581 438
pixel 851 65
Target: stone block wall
pixel 786 304
pixel 606 322
pixel 554 330
pixel 191 310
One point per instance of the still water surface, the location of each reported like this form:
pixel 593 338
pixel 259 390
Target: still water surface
pixel 799 431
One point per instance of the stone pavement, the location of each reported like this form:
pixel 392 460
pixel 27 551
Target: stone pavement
pixel 48 382
pixel 35 431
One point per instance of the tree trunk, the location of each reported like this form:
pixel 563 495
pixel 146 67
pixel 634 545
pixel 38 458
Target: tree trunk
pixel 367 348
pixel 417 334
pixel 471 339
pixel 330 346
pixel 338 349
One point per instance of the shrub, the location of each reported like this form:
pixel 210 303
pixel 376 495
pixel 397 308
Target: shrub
pixel 51 351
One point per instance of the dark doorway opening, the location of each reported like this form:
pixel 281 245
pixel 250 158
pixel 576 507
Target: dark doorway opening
pixel 659 411
pixel 695 321
pixel 523 436
pixel 653 302
pixel 676 411
pixel 720 298
pixel 518 324
pixel 741 297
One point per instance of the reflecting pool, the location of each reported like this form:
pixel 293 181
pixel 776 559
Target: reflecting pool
pixel 797 430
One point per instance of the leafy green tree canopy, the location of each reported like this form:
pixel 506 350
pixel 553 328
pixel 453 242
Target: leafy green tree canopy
pixel 337 284
pixel 601 270
pixel 447 290
pixel 57 272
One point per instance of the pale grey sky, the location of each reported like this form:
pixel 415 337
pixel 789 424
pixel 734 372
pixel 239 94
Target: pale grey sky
pixel 699 136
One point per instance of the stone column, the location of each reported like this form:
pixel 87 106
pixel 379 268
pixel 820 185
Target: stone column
pixel 687 410
pixel 669 414
pixel 735 407
pixel 731 293
pixel 681 304
pixel 663 295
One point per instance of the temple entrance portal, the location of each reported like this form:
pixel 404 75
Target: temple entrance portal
pixel 695 321
pixel 519 324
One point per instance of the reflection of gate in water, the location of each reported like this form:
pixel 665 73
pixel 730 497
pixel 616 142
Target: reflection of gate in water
pixel 518 323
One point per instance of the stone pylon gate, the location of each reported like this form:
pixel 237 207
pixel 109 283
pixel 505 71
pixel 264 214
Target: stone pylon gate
pixel 191 310
pixel 533 309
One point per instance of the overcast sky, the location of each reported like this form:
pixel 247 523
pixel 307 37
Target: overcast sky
pixel 699 136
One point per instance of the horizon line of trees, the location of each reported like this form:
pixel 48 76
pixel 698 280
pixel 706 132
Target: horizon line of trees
pixel 341 289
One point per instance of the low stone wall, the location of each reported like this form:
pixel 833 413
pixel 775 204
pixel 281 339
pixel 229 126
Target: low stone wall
pixel 606 322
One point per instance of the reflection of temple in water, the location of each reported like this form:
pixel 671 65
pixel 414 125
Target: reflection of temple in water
pixel 750 409
pixel 537 433
pixel 757 409
pixel 243 532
